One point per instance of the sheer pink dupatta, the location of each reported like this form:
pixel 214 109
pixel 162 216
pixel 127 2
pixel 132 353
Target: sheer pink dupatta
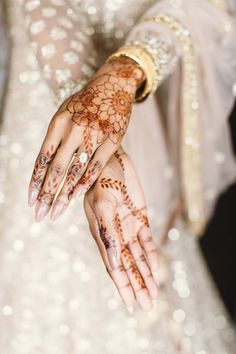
pixel 186 153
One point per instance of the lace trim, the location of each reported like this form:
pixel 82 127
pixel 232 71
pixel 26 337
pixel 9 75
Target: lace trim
pixel 219 3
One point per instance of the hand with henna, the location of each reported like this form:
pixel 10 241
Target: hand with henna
pixel 83 135
pixel 117 215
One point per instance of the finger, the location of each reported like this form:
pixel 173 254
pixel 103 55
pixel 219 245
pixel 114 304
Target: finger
pixel 54 176
pixel 94 168
pixel 143 267
pixel 48 149
pixel 107 233
pixel 136 279
pixel 118 275
pixel 123 284
pixel 75 172
pixel 147 242
pixel 41 165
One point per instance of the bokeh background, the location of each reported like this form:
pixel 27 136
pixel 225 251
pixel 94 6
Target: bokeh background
pixel 218 243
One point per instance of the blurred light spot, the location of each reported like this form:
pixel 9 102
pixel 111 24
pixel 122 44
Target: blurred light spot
pixel 7 310
pixel 179 315
pixel 18 245
pixel 173 234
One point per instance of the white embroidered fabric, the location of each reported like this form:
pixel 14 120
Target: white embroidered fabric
pixel 55 294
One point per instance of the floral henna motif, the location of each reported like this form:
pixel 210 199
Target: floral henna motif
pixel 107 110
pixel 105 237
pixel 124 68
pixel 105 104
pixel 74 173
pixel 87 178
pixel 42 163
pixel 46 197
pixel 110 245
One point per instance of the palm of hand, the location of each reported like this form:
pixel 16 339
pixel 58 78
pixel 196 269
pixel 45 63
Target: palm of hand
pixel 121 230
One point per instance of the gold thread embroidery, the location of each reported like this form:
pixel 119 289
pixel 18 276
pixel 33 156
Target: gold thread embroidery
pixel 221 4
pixel 190 146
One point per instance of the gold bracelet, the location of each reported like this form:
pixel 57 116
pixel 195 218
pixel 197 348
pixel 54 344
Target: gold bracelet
pixel 145 61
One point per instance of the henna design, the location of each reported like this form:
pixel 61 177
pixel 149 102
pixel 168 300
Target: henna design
pixel 111 183
pixel 109 111
pixel 87 179
pixel 126 254
pixel 124 67
pixel 105 104
pixel 119 229
pixel 46 198
pixel 74 173
pixel 110 245
pixel 88 144
pixel 127 200
pixel 105 237
pixel 57 171
pixel 42 163
pixel 119 186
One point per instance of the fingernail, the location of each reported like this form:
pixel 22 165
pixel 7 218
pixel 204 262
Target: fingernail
pixel 112 257
pixel 77 192
pixel 57 209
pixel 130 309
pixel 41 211
pixel 155 265
pixel 155 275
pixel 33 194
pixel 144 300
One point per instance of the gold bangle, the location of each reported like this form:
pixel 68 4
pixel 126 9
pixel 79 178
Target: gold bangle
pixel 145 61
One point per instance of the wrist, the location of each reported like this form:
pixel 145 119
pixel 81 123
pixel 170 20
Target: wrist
pixel 144 61
pixel 123 66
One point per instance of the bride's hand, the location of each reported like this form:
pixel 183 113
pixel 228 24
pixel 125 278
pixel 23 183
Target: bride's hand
pixel 91 123
pixel 117 216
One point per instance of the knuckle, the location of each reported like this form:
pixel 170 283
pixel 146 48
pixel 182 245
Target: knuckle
pixel 75 126
pixel 101 205
pixel 59 119
pixel 56 168
pixel 43 160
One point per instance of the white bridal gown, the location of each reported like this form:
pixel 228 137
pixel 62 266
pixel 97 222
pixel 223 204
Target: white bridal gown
pixel 55 295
